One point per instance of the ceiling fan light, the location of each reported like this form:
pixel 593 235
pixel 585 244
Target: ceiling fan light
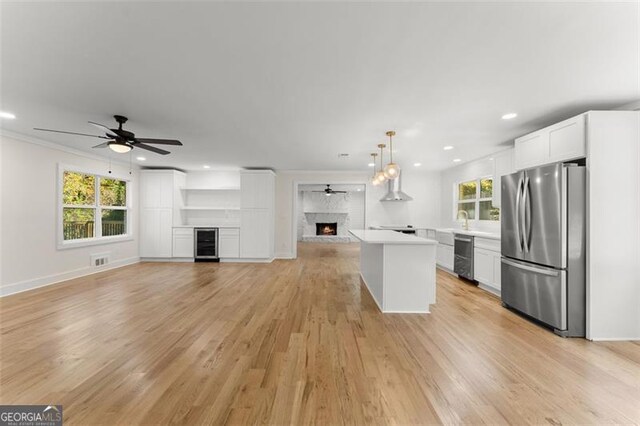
pixel 391 171
pixel 120 147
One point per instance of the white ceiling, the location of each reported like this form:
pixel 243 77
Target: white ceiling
pixel 291 85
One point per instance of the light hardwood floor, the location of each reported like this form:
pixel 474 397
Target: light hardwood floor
pixel 297 342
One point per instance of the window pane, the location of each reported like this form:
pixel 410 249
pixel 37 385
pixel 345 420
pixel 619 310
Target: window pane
pixel 486 188
pixel 467 190
pixel 114 222
pixel 77 223
pixel 78 189
pixel 488 211
pixel 113 192
pixel 470 208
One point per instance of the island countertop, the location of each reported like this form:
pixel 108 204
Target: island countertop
pixel 374 236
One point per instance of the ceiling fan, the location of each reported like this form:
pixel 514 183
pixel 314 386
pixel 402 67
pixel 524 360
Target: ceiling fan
pixel 328 191
pixel 120 140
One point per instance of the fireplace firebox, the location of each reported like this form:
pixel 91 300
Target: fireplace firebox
pixel 327 228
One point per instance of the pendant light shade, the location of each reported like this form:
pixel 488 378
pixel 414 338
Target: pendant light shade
pixel 379 177
pixel 391 170
pixel 374 177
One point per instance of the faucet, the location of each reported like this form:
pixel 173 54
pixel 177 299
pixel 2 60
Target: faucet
pixel 466 219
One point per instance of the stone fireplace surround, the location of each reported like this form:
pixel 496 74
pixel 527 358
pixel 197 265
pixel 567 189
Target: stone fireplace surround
pixel 318 208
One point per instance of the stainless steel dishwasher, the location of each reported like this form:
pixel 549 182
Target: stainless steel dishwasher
pixel 463 260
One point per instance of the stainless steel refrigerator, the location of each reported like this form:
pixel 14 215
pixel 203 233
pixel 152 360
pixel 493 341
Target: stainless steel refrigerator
pixel 543 245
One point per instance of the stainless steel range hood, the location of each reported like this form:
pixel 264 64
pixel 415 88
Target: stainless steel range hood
pixel 395 190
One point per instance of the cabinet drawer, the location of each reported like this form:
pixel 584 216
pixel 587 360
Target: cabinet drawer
pixel 445 238
pixel 229 232
pixel 183 231
pixel 487 244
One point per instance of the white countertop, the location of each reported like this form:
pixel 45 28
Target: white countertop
pixel 479 234
pixel 374 236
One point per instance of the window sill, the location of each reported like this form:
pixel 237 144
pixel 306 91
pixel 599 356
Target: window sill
pixel 93 242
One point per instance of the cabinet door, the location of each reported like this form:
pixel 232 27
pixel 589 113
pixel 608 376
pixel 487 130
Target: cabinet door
pixel 229 246
pixel 156 189
pixel 183 244
pixel 567 140
pixel 257 191
pixel 483 266
pixel 444 256
pixel 502 165
pixel 255 231
pixel 155 233
pixel 531 150
pixel 497 271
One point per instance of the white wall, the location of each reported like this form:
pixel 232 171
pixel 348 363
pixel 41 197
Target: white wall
pixel 450 178
pixel 423 211
pixel 29 197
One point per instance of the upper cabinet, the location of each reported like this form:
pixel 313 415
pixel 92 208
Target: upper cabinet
pixel 257 189
pixel 561 142
pixel 502 165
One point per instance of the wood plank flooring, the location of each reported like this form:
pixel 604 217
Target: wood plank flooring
pixel 297 342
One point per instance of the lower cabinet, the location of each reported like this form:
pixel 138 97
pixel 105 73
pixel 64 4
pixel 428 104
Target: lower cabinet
pixel 255 234
pixel 155 232
pixel 182 242
pixel 229 243
pixel 486 267
pixel 444 256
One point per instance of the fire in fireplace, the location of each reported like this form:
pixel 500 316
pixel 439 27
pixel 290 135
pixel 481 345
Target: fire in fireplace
pixel 326 228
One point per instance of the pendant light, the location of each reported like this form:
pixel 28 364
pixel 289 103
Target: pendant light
pixel 374 180
pixel 379 176
pixel 391 170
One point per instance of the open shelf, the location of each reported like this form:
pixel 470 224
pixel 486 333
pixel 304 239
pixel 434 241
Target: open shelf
pixel 228 188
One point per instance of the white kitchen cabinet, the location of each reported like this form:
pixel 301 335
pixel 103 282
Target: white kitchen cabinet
pixel 254 236
pixel 257 225
pixel 486 263
pixel 158 211
pixel 183 242
pixel 560 142
pixel 567 140
pixel 444 256
pixel 156 232
pixel 529 150
pixel 502 166
pixel 229 243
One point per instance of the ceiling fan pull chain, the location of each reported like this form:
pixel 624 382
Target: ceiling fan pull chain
pixel 109 163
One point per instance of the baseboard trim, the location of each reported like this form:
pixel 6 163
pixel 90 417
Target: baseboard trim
pixel 27 285
pixel 285 256
pixel 489 289
pixel 614 339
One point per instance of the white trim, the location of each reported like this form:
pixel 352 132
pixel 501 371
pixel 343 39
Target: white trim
pixel 294 207
pixel 284 256
pixel 614 339
pixel 35 283
pixel 489 289
pixel 52 145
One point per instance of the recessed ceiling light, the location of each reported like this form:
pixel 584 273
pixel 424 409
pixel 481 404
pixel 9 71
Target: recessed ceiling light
pixel 140 158
pixel 371 164
pixel 206 166
pixel 7 115
pixel 447 148
pixel 456 160
pixel 509 116
pixel 417 164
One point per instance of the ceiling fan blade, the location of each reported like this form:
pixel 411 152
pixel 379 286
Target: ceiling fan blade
pixel 69 133
pixel 159 141
pixel 102 145
pixel 105 129
pixel 152 149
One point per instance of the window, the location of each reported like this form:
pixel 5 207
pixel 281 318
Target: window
pixel 475 198
pixel 94 208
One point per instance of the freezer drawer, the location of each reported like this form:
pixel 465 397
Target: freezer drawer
pixel 537 291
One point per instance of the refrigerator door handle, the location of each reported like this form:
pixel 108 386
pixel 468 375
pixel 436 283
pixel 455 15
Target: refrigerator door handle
pixel 550 273
pixel 518 201
pixel 526 215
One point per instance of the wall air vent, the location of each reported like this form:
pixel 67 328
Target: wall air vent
pixel 99 259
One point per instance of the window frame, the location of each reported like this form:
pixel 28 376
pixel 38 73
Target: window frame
pixel 97 239
pixel 476 200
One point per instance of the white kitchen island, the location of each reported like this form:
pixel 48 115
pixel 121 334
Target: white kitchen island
pixel 398 269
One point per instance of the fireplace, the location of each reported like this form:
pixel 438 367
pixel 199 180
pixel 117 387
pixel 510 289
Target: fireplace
pixel 326 228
